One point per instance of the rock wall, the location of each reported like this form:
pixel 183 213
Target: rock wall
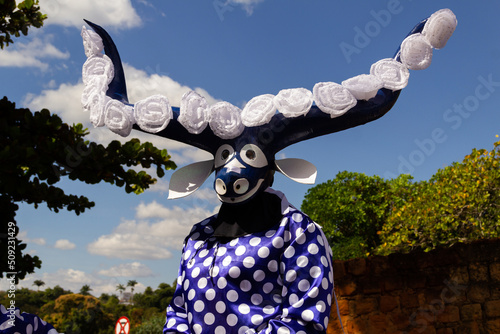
pixel 445 291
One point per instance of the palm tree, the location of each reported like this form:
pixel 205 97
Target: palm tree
pixel 121 288
pixel 131 284
pixel 84 290
pixel 38 283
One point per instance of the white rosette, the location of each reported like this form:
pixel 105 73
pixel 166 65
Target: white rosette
pixel 94 99
pixel 416 52
pixel 393 74
pixel 92 42
pixel 258 111
pixel 153 113
pixel 333 99
pixel 193 112
pixel 363 86
pixel 118 117
pixel 439 28
pixel 99 65
pixel 293 102
pixel 225 120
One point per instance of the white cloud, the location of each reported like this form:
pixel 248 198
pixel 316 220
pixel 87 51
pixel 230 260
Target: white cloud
pixel 31 54
pixel 23 235
pixel 248 5
pixel 134 269
pixel 117 13
pixel 156 231
pixel 64 244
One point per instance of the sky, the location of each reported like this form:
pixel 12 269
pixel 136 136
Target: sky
pixel 233 50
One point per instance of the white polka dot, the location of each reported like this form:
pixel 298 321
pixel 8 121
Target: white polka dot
pixel 197 329
pixel 304 285
pixel 290 251
pixel 220 307
pixel 234 242
pixel 297 217
pixel 179 301
pixel 329 299
pixel 313 249
pixel 214 271
pixel 182 327
pixel 187 254
pixel 268 287
pixel 210 294
pixel 195 272
pixel 320 306
pixel 195 236
pixel 320 240
pixel 268 309
pixel 284 221
pixel 199 306
pixel 191 263
pixel 209 319
pixel 278 242
pixel 256 319
pixel 249 262
pixel 240 250
pixel 259 275
pixel 315 272
pixel 232 319
pixel 220 330
pixel 270 233
pixel 324 283
pixel 234 272
pixel 245 330
pixel 324 261
pixel 245 286
pixel 263 252
pixel 311 228
pixel 287 236
pixel 202 283
pixel 186 285
pixel 283 330
pixel 208 261
pixel 221 283
pixel 307 315
pixel 293 299
pixel 221 251
pixel 203 253
pixel 254 241
pixel 272 266
pixel 301 239
pixel 191 294
pixel 244 309
pixel 171 322
pixel 227 260
pixel 232 296
pixel 302 261
pixel 291 275
pixel 313 293
pixel 256 299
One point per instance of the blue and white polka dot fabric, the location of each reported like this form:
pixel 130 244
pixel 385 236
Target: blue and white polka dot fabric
pixel 276 281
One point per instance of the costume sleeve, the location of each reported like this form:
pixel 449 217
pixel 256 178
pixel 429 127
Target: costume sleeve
pixel 13 321
pixel 307 275
pixel 177 321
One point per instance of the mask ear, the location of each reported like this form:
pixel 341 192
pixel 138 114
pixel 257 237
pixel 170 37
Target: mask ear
pixel 299 170
pixel 188 179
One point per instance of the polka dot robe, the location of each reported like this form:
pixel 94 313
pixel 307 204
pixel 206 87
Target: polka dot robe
pixel 276 281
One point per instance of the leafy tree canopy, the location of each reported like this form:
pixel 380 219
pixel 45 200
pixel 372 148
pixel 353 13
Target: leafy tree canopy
pixel 15 19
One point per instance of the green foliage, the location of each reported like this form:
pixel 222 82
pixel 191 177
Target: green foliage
pixel 16 19
pixel 352 208
pixel 459 203
pixel 152 326
pixel 38 149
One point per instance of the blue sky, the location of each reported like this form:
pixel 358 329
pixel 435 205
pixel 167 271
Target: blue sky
pixel 232 51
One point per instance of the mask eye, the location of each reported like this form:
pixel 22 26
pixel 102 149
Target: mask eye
pixel 223 155
pixel 253 155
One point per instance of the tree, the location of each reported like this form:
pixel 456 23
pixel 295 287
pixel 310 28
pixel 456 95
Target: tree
pixel 85 290
pixel 459 203
pixel 38 283
pixel 132 284
pixel 121 288
pixel 15 20
pixel 352 208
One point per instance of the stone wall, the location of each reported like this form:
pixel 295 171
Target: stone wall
pixel 445 291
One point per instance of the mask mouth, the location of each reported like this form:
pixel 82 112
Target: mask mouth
pixel 243 198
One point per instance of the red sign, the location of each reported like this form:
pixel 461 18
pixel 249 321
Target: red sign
pixel 122 326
